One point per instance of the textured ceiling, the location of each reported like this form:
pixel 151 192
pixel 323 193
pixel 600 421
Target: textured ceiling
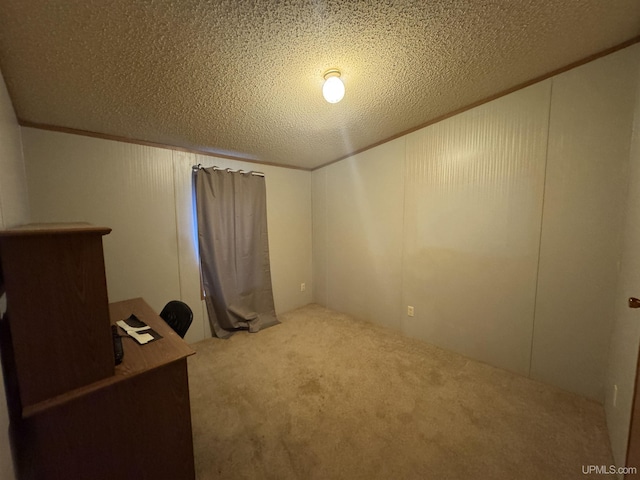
pixel 244 78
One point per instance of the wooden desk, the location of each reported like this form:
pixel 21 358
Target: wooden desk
pixel 133 425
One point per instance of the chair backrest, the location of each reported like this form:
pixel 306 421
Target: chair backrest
pixel 178 315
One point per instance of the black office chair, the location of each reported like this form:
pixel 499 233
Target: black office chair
pixel 178 315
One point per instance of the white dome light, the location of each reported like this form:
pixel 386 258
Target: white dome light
pixel 333 88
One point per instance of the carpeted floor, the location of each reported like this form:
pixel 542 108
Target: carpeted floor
pixel 324 396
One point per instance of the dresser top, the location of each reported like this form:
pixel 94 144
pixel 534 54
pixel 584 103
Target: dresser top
pixel 53 229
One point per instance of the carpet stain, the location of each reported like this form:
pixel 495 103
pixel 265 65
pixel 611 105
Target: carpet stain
pixel 405 417
pixel 311 387
pixel 435 378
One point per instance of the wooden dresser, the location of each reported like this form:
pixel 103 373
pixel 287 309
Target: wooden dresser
pixel 74 414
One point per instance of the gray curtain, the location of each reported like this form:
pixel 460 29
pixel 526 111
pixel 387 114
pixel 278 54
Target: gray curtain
pixel 234 250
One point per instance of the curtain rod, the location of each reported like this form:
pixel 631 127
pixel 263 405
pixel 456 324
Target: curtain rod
pixel 199 166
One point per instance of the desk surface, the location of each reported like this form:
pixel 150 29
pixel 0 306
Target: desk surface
pixel 141 358
pixel 137 358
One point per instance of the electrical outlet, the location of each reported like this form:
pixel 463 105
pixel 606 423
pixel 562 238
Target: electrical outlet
pixel 410 311
pixel 303 287
pixel 615 395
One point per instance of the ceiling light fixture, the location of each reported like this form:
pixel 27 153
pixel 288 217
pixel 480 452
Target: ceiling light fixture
pixel 333 88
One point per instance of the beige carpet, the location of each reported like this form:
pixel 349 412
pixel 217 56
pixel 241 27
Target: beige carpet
pixel 324 396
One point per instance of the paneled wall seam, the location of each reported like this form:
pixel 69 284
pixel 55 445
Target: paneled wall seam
pixel 326 238
pixel 175 213
pixel 24 172
pixel 312 269
pixel 544 187
pixel 405 170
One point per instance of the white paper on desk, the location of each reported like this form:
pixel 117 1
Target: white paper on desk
pixel 133 332
pixel 127 328
pixel 141 338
